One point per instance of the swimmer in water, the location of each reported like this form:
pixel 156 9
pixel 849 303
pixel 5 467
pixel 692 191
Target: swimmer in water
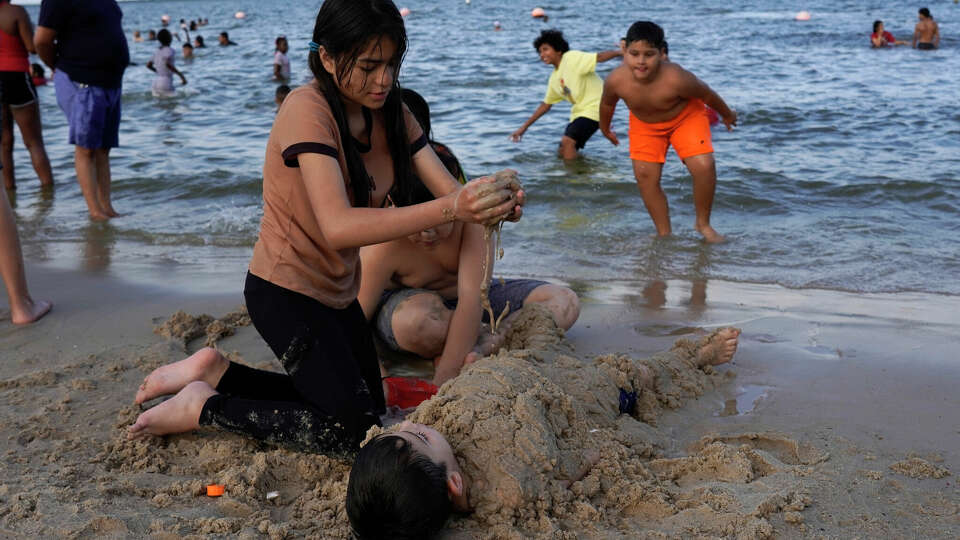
pixel 926 35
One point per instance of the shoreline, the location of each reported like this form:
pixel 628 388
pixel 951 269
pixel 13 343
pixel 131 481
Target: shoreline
pixel 867 379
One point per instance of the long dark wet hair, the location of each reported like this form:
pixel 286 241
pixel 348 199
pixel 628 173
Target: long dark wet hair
pixel 344 28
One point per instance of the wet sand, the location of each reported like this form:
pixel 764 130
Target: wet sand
pixel 837 419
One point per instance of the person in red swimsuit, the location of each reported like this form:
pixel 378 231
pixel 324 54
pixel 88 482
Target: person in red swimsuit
pixel 881 38
pixel 18 96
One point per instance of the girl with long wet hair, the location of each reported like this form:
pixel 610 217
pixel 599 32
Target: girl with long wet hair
pixel 341 147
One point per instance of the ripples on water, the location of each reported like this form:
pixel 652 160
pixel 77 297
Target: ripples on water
pixel 842 174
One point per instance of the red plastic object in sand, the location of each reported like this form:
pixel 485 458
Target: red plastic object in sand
pixel 407 392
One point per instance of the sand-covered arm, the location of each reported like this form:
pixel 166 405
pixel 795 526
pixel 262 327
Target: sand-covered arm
pixel 465 324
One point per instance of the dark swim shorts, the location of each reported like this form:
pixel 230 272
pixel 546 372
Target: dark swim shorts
pixel 16 89
pixel 581 129
pixel 925 46
pixel 514 291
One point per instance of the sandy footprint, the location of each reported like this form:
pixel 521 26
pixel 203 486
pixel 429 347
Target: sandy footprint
pixel 206 365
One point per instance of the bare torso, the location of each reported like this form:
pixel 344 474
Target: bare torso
pixel 926 31
pixel 10 17
pixel 654 101
pixel 434 268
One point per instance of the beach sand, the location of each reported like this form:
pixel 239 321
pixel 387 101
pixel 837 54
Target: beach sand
pixel 837 419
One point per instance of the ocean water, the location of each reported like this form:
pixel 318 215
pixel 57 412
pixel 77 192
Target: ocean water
pixel 844 172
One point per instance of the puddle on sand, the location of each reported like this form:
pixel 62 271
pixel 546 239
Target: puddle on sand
pixel 746 400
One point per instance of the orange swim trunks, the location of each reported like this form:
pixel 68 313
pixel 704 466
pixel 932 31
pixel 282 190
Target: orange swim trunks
pixel 688 132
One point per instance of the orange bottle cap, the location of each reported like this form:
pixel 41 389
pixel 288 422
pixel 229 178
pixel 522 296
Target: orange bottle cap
pixel 215 490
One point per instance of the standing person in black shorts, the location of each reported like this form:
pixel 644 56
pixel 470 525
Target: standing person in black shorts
pixel 18 96
pixel 574 79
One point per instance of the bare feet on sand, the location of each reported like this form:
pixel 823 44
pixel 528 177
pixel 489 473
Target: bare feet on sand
pixel 710 235
pixel 206 365
pixel 31 311
pixel 176 415
pixel 720 347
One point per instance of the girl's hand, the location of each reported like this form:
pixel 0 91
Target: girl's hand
pixel 489 199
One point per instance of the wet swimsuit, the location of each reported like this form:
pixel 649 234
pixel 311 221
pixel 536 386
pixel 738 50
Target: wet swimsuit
pixel 16 86
pixel 925 46
pixel 688 132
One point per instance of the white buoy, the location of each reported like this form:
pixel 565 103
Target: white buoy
pixel 404 12
pixel 239 15
pixel 467 1
pixel 803 16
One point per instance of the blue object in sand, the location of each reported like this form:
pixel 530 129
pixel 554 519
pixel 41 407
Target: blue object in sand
pixel 628 400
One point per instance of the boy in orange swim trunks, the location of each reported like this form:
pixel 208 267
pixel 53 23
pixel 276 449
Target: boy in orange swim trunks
pixel 666 105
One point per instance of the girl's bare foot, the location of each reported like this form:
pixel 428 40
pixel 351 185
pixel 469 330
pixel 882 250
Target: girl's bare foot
pixel 206 365
pixel 31 311
pixel 710 235
pixel 720 348
pixel 176 415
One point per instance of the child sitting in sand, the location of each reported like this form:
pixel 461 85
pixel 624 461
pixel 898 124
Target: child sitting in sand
pixel 422 294
pixel 666 105
pixel 406 482
pixel 162 65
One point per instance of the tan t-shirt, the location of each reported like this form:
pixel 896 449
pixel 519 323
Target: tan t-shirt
pixel 292 251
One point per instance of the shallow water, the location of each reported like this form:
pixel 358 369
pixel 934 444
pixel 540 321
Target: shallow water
pixel 842 174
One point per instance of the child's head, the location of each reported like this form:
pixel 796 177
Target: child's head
pixel 551 45
pixel 404 485
pixel 224 38
pixel 645 48
pixel 36 70
pixel 877 26
pixel 281 94
pixel 418 106
pixel 282 45
pixel 198 41
pixel 924 13
pixel 164 37
pixel 151 35
pixel 187 50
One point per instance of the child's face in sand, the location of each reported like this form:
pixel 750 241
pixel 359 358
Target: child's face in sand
pixel 430 443
pixel 429 238
pixel 371 78
pixel 643 59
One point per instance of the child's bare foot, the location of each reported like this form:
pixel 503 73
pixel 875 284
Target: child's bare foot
pixel 176 415
pixel 32 311
pixel 710 235
pixel 206 365
pixel 99 216
pixel 720 348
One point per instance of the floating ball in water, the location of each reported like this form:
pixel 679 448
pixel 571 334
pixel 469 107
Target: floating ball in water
pixel 165 19
pixel 467 1
pixel 404 12
pixel 537 13
pixel 239 15
pixel 803 16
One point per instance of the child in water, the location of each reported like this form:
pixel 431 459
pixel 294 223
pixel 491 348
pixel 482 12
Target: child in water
pixel 162 65
pixel 281 64
pixel 666 105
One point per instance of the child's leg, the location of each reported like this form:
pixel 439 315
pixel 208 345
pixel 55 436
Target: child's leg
pixel 6 148
pixel 704 172
pixel 562 303
pixel 420 324
pixel 647 174
pixel 23 308
pixel 567 149
pixel 28 119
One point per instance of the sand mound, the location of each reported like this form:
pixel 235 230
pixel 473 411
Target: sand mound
pixel 915 467
pixel 184 328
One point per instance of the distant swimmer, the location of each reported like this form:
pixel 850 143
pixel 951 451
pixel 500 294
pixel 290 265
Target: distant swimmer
pixel 666 105
pixel 198 42
pixel 281 64
pixel 162 65
pixel 574 79
pixel 881 38
pixel 224 40
pixel 926 35
pixel 187 51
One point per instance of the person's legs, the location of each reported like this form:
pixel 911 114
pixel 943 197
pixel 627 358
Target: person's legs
pixel 420 323
pixel 561 301
pixel 704 172
pixel 102 160
pixel 206 365
pixel 6 148
pixel 567 149
pixel 85 162
pixel 647 174
pixel 23 309
pixel 28 120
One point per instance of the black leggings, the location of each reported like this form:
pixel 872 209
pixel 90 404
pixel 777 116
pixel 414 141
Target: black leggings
pixel 331 393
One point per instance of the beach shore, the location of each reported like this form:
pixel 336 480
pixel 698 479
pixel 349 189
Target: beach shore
pixel 848 399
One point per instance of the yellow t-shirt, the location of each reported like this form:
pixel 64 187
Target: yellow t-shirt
pixel 576 81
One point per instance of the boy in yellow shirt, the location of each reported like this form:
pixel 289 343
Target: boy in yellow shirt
pixel 574 79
